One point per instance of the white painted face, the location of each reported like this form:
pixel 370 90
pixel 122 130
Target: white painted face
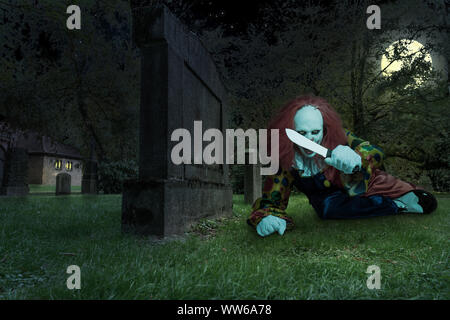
pixel 308 122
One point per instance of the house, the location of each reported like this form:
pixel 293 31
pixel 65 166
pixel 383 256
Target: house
pixel 46 157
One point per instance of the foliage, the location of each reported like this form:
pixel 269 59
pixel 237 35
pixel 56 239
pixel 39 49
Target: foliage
pixel 83 86
pixel 112 174
pixel 74 85
pixel 220 259
pixel 328 51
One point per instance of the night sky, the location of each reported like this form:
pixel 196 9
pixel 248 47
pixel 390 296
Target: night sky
pixel 235 16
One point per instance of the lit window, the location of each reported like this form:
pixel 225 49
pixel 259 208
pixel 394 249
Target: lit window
pixel 68 165
pixel 58 164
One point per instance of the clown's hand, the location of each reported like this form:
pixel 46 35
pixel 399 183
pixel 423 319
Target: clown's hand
pixel 344 159
pixel 271 224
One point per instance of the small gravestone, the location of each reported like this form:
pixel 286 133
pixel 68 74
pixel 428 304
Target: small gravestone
pixel 252 181
pixel 63 181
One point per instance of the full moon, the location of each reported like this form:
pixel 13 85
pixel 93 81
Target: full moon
pixel 413 49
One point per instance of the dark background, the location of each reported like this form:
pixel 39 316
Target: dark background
pixel 82 87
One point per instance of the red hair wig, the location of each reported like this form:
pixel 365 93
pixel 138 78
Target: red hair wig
pixel 334 134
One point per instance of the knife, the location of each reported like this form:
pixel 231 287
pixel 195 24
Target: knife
pixel 304 142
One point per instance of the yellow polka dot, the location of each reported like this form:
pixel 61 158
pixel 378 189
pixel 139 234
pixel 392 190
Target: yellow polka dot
pixel 327 183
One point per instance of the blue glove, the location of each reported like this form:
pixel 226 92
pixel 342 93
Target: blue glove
pixel 271 224
pixel 344 159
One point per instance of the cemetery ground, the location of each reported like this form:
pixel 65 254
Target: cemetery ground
pixel 49 189
pixel 41 235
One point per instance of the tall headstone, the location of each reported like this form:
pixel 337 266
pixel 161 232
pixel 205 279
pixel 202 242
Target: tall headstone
pixel 90 173
pixel 2 164
pixel 15 174
pixel 252 183
pixel 63 183
pixel 179 85
pixel 89 179
pixel 252 179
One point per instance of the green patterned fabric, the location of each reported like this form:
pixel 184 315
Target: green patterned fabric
pixel 371 158
pixel 277 188
pixel 274 200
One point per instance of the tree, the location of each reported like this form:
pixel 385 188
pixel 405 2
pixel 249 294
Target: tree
pixel 73 85
pixel 328 50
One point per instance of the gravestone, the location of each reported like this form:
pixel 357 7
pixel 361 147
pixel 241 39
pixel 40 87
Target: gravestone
pixel 89 179
pixel 2 164
pixel 15 173
pixel 252 183
pixel 179 85
pixel 63 183
pixel 252 180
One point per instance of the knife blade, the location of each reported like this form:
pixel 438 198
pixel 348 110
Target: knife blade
pixel 305 143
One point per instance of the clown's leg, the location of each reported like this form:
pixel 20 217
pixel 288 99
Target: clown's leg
pixel 409 202
pixel 406 195
pixel 417 201
pixel 339 205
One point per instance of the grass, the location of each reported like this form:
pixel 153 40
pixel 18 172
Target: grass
pixel 37 188
pixel 40 236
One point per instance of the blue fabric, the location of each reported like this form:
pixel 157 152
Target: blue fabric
pixel 341 206
pixel 330 202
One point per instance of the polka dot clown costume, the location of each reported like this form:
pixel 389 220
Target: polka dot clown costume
pixel 330 185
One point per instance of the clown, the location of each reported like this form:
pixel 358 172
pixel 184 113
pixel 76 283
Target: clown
pixel 330 185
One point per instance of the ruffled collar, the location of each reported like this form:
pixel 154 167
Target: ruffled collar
pixel 308 166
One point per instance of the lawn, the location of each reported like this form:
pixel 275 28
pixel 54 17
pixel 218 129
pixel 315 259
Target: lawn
pixel 37 188
pixel 41 235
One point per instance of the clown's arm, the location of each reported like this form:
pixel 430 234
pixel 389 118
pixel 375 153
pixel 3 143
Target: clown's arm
pixel 371 156
pixel 370 159
pixel 268 212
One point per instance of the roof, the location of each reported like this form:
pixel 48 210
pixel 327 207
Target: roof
pixel 38 144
